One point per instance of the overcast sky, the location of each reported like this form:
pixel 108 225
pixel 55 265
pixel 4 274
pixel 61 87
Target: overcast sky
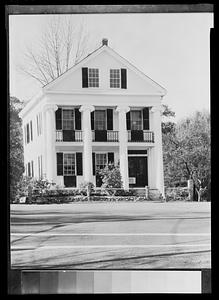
pixel 172 49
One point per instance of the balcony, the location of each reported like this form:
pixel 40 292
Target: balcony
pixel 105 136
pixel 69 136
pixel 141 136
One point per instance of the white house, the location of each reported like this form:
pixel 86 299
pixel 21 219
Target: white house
pixel 101 110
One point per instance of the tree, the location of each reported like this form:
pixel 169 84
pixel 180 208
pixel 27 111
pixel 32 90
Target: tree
pixel 111 178
pixel 187 152
pixel 16 146
pixel 62 45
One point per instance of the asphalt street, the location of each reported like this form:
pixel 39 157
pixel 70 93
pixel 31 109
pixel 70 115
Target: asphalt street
pixel 111 236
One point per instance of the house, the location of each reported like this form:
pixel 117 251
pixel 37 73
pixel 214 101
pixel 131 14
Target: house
pixel 101 110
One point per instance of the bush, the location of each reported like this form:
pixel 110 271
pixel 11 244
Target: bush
pixel 111 178
pixel 84 186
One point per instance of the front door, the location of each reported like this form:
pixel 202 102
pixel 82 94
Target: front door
pixel 138 171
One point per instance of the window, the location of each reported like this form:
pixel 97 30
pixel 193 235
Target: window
pixel 31 130
pixel 115 78
pixel 68 119
pixel 100 120
pixel 69 164
pixel 40 170
pixel 28 133
pixel 101 160
pixel 32 173
pixel 136 120
pixel 28 170
pixel 93 77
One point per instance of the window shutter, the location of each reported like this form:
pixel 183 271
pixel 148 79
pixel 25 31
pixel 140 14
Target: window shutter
pixel 59 159
pixel 32 175
pixel 59 119
pixel 94 167
pixel 79 163
pixel 128 120
pixel 123 78
pixel 92 120
pixel 31 130
pixel 111 157
pixel 146 118
pixel 84 77
pixel 28 133
pixel 77 119
pixel 109 119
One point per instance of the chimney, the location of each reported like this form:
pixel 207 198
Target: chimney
pixel 105 42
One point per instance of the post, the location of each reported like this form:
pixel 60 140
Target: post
pixel 87 141
pixel 190 185
pixel 157 149
pixel 146 192
pixel 50 141
pixel 123 145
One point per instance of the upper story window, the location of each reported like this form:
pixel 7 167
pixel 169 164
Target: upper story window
pixel 68 119
pixel 136 120
pixel 39 123
pixel 100 120
pixel 115 78
pixel 93 77
pixel 28 132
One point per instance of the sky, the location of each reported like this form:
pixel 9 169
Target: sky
pixel 172 49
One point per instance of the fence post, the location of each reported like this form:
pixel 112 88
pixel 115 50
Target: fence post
pixel 191 189
pixel 146 192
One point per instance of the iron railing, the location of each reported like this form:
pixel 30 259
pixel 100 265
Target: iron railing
pixel 105 136
pixel 69 136
pixel 141 136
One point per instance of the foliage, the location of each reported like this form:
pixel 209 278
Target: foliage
pixel 63 42
pixel 111 178
pixel 86 186
pixel 187 152
pixel 16 146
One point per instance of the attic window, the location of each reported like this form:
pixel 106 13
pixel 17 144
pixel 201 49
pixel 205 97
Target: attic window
pixel 93 77
pixel 115 78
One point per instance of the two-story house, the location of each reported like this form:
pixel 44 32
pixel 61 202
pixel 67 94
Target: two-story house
pixel 101 110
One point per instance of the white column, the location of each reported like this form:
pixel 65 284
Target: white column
pixel 50 141
pixel 87 141
pixel 123 146
pixel 158 150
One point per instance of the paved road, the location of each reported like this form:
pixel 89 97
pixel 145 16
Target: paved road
pixel 111 235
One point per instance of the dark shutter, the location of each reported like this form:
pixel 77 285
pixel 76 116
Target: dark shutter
pixel 94 167
pixel 128 120
pixel 77 119
pixel 92 120
pixel 146 118
pixel 84 77
pixel 29 171
pixel 79 163
pixel 111 157
pixel 109 119
pixel 28 133
pixel 31 130
pixel 123 78
pixel 59 119
pixel 59 158
pixel 32 168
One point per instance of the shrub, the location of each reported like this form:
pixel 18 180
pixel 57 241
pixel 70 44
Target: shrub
pixel 111 178
pixel 85 186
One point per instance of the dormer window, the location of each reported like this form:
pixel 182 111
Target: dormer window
pixel 90 77
pixel 115 78
pixel 93 77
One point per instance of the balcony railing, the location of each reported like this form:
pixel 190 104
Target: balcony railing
pixel 105 136
pixel 140 136
pixel 69 136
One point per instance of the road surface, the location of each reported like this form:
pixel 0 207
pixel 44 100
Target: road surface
pixel 111 236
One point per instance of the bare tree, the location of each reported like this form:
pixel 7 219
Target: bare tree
pixel 62 45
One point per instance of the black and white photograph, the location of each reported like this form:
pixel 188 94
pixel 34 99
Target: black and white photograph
pixel 110 141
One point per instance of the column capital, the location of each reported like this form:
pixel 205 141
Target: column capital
pixel 157 108
pixel 50 107
pixel 123 108
pixel 86 107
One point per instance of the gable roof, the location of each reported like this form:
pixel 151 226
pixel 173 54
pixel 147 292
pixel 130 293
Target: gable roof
pixel 113 53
